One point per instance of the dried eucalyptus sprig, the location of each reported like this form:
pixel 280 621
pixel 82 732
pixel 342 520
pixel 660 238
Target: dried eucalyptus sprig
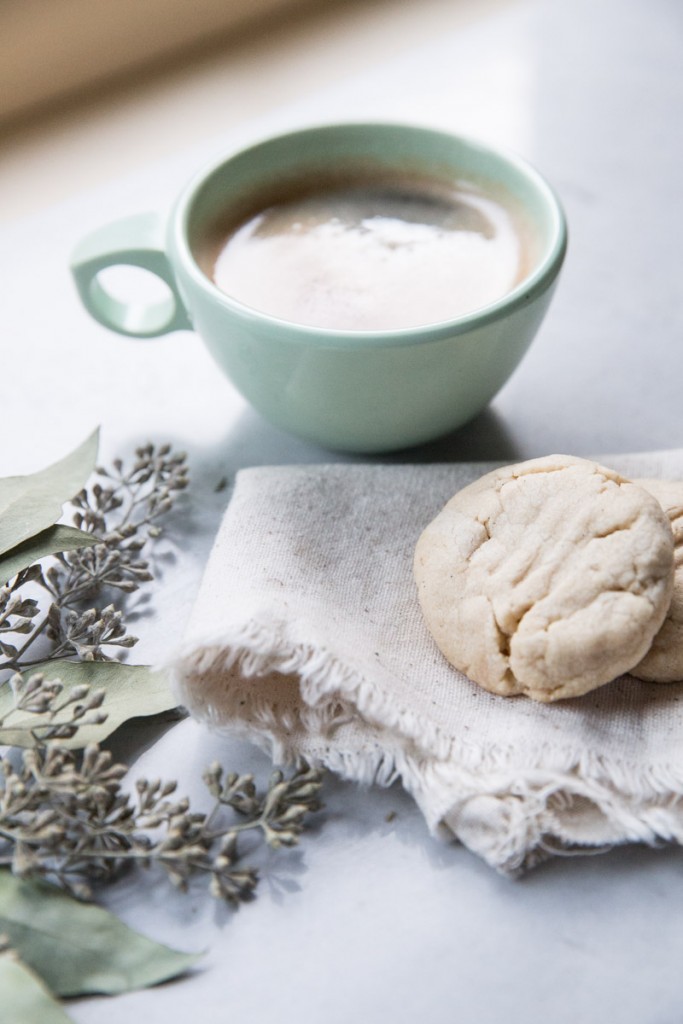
pixel 280 813
pixel 67 818
pixel 42 700
pixel 122 510
pixel 66 815
pixel 125 513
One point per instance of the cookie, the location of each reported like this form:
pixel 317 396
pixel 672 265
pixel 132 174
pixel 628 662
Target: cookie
pixel 663 663
pixel 547 578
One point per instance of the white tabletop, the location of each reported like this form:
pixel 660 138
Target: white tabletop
pixel 372 919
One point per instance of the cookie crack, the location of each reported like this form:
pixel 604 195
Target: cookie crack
pixel 505 638
pixel 486 526
pixel 611 531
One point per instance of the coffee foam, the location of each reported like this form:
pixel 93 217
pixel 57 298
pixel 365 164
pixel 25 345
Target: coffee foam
pixel 370 256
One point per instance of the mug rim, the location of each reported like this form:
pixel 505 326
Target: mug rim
pixel 523 293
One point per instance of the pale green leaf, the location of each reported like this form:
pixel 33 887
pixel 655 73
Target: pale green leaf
pixel 29 504
pixel 25 1000
pixel 78 948
pixel 47 542
pixel 130 691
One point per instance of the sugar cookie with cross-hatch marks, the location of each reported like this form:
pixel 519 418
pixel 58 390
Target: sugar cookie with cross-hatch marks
pixel 547 578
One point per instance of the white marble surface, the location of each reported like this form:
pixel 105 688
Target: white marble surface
pixel 369 919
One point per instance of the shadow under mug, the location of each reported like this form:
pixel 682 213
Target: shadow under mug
pixel 360 391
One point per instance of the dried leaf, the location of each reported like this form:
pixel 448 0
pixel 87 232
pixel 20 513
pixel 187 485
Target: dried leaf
pixel 24 997
pixel 47 542
pixel 78 948
pixel 30 504
pixel 131 691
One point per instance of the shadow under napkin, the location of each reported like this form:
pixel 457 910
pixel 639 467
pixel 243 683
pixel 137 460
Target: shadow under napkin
pixel 307 637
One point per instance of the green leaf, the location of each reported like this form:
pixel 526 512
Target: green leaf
pixel 29 504
pixel 131 691
pixel 47 542
pixel 78 948
pixel 25 1000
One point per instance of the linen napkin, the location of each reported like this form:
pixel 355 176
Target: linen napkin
pixel 307 638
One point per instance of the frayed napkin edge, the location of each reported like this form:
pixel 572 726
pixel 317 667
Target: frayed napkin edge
pixel 512 811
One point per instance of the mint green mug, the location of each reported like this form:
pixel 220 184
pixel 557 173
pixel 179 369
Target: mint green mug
pixel 351 390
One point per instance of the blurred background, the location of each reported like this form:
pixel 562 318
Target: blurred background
pixel 92 89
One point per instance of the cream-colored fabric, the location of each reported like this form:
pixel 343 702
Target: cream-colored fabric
pixel 308 638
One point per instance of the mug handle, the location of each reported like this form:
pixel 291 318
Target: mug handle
pixel 136 241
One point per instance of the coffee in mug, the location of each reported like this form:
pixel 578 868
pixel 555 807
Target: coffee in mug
pixel 363 253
